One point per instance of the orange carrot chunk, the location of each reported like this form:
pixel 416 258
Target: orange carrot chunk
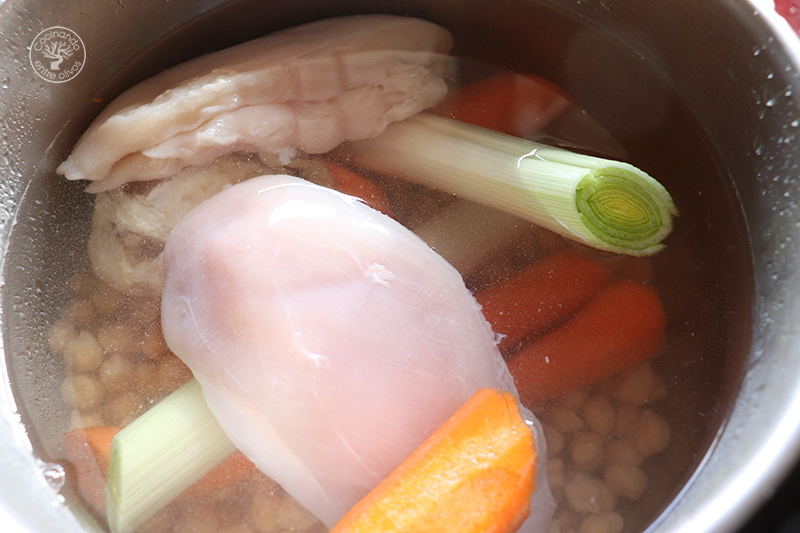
pixel 348 182
pixel 89 450
pixel 620 327
pixel 541 296
pixel 475 474
pixel 515 104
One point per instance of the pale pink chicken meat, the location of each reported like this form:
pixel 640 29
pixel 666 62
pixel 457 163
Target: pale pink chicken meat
pixel 329 340
pixel 306 88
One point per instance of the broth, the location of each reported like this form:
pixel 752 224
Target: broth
pixel 698 278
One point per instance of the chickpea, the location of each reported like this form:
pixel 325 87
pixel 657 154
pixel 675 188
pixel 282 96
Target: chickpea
pixel 599 415
pixel 627 416
pixel 78 420
pixel 60 334
pixel 573 399
pixel 566 520
pixel 586 449
pixel 626 480
pixel 623 451
pixel 119 338
pixel 659 391
pixel 651 434
pixel 564 418
pixel 85 392
pixel 608 522
pixel 116 373
pixel 634 385
pixel 554 439
pixel 83 353
pixel 123 409
pixel 585 494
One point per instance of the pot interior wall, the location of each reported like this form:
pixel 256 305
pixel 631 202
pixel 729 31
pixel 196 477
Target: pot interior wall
pixel 624 79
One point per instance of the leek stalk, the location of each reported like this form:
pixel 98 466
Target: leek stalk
pixel 606 204
pixel 161 454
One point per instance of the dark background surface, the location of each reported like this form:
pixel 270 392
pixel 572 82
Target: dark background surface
pixel 781 514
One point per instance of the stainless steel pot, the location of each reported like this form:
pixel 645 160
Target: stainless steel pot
pixel 730 68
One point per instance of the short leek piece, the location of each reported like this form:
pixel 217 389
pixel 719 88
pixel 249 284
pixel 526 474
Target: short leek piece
pixel 606 204
pixel 161 454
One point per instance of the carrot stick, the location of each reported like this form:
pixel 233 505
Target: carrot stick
pixel 515 104
pixel 348 182
pixel 89 450
pixel 541 296
pixel 620 327
pixel 475 474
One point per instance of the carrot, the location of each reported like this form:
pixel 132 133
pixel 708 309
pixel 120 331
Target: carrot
pixel 348 182
pixel 620 327
pixel 515 104
pixel 475 474
pixel 89 450
pixel 541 296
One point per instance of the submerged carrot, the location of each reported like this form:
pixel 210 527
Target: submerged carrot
pixel 475 474
pixel 89 450
pixel 541 296
pixel 515 104
pixel 348 182
pixel 620 327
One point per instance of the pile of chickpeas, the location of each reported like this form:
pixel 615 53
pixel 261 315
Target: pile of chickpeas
pixel 599 439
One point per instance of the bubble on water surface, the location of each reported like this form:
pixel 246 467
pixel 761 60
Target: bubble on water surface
pixel 54 475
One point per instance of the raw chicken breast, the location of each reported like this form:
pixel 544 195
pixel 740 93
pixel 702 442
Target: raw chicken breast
pixel 329 340
pixel 307 88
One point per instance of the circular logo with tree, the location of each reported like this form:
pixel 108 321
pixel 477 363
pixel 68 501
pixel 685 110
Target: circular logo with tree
pixel 57 54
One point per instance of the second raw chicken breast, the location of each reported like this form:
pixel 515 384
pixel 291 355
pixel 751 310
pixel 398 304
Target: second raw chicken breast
pixel 329 340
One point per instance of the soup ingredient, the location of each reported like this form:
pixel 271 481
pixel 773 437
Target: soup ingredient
pixel 476 473
pixel 161 454
pixel 348 182
pixel 508 102
pixel 541 296
pixel 89 449
pixel 330 341
pixel 306 88
pixel 130 225
pixel 621 326
pixel 605 204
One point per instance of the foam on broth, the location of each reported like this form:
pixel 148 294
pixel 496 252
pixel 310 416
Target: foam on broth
pixel 698 277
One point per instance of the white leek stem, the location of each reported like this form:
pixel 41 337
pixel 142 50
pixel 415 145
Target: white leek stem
pixel 606 204
pixel 161 454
